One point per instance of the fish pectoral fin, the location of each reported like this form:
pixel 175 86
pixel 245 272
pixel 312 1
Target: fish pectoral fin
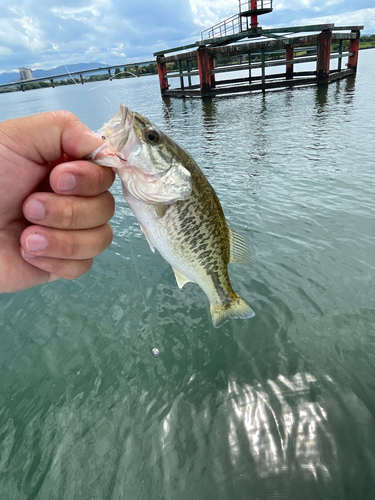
pixel 147 237
pixel 161 210
pixel 236 309
pixel 180 278
pixel 240 249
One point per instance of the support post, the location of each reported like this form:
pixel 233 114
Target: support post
pixel 254 17
pixel 109 73
pixel 249 67
pixel 263 61
pixel 204 67
pixel 289 54
pixel 180 72
pixel 162 72
pixel 340 54
pixel 211 62
pixel 324 56
pixel 81 78
pixel 52 83
pixel 189 69
pixel 354 47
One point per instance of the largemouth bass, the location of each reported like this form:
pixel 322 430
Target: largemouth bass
pixel 177 208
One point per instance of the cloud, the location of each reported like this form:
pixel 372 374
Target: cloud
pixel 363 17
pixel 34 32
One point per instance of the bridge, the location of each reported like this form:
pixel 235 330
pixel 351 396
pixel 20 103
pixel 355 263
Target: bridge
pixel 21 83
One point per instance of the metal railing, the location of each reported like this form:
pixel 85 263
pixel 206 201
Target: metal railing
pixel 261 4
pixel 237 23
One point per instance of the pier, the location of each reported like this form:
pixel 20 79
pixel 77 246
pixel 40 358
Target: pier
pixel 269 49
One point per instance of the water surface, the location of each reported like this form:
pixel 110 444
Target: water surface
pixel 279 406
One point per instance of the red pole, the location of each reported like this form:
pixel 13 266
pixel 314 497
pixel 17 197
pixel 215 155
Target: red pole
pixel 204 67
pixel 324 55
pixel 254 17
pixel 289 54
pixel 162 71
pixel 354 47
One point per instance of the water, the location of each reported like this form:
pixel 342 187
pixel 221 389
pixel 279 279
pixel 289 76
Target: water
pixel 279 406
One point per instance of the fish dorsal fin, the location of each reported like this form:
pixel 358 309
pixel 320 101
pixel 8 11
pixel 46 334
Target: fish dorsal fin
pixel 180 278
pixel 147 238
pixel 240 249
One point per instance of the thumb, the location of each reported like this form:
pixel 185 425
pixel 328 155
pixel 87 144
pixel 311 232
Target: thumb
pixel 45 137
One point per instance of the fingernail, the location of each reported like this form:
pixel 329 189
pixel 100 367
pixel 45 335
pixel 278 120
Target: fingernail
pixel 27 255
pixel 34 210
pixel 36 242
pixel 66 182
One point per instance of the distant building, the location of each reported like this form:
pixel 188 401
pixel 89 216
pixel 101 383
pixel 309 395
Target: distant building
pixel 25 73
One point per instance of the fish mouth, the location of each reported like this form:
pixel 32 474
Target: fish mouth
pixel 117 129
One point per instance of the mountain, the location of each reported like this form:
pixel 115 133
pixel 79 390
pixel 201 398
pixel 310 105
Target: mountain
pixel 38 73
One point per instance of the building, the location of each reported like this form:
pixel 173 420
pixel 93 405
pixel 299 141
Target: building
pixel 25 74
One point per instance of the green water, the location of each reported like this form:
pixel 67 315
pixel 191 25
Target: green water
pixel 281 406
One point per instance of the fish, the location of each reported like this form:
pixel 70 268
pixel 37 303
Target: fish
pixel 177 209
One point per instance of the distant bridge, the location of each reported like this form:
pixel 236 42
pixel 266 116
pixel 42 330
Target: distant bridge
pixel 21 83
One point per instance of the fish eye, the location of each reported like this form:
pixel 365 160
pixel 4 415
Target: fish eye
pixel 152 136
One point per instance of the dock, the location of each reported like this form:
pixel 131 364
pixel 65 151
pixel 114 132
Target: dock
pixel 281 48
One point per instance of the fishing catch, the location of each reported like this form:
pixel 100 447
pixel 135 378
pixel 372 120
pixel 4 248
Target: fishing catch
pixel 177 208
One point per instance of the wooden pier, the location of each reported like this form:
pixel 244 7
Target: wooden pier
pixel 269 48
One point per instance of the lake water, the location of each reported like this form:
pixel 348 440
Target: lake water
pixel 281 406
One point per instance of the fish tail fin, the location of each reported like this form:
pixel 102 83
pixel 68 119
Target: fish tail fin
pixel 236 309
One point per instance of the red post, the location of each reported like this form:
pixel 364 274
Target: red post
pixel 289 54
pixel 162 71
pixel 254 17
pixel 324 55
pixel 204 67
pixel 354 47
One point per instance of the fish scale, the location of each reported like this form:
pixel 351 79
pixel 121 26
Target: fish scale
pixel 177 208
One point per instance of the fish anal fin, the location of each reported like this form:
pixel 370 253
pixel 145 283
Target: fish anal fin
pixel 180 278
pixel 236 309
pixel 147 238
pixel 240 249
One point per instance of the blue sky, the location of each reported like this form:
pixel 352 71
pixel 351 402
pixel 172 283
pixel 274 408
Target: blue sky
pixel 42 34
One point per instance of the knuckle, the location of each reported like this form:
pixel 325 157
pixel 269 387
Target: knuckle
pixel 72 215
pixel 77 269
pixel 71 270
pixel 65 116
pixel 71 246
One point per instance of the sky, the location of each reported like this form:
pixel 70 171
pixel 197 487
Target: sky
pixel 41 34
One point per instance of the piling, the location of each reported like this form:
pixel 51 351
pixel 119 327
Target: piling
pixel 324 55
pixel 353 49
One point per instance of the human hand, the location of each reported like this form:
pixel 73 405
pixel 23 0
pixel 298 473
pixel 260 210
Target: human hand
pixel 54 206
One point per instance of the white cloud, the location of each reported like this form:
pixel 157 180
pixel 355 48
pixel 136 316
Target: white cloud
pixel 5 51
pixel 312 5
pixel 79 14
pixel 131 30
pixel 206 13
pixel 363 17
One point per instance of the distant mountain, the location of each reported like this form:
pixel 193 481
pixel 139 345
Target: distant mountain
pixel 38 73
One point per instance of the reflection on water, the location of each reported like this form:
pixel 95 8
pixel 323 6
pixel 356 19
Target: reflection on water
pixel 299 421
pixel 281 406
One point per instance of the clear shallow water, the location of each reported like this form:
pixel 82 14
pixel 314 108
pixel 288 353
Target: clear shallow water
pixel 279 406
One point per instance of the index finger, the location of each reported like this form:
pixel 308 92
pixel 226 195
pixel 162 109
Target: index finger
pixel 81 178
